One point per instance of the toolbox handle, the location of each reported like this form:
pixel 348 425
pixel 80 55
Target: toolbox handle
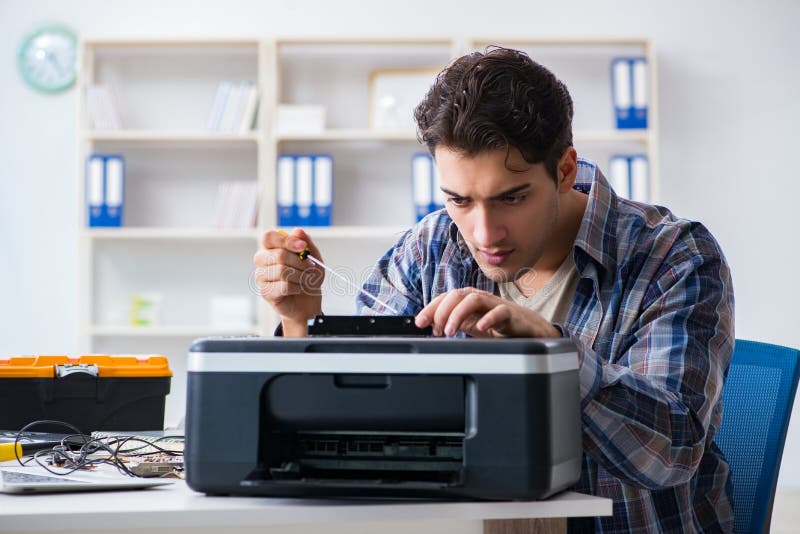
pixel 73 368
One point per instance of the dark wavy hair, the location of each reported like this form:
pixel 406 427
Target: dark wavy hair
pixel 500 98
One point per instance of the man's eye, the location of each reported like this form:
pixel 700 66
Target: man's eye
pixel 458 201
pixel 513 199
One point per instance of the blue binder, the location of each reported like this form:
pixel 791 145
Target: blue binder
pixel 95 189
pixel 629 176
pixel 114 189
pixel 304 189
pixel 438 195
pixel 629 92
pixel 105 189
pixel 422 184
pixel 619 175
pixel 323 190
pixel 287 210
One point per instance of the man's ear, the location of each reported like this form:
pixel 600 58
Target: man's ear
pixel 567 170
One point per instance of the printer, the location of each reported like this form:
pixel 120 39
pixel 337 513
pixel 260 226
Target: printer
pixel 383 417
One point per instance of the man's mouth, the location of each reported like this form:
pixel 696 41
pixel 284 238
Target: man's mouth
pixel 495 257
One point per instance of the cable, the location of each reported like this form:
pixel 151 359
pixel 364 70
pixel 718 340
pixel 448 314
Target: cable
pixel 72 454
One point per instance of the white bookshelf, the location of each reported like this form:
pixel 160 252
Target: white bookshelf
pixel 173 167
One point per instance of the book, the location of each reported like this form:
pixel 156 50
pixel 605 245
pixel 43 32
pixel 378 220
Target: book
pixel 248 115
pixel 102 107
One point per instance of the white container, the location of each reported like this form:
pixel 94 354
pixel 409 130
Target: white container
pixel 299 119
pixel 231 311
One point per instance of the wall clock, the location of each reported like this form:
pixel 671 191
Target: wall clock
pixel 48 59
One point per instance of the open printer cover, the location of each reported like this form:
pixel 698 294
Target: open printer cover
pixel 383 417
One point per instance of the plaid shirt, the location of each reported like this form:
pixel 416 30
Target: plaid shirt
pixel 652 317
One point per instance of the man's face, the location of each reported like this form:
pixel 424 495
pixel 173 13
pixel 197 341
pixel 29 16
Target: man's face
pixel 506 209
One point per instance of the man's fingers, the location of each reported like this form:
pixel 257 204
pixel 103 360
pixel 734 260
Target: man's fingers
pixel 494 318
pixel 279 256
pixel 273 239
pixel 296 241
pixel 451 301
pixel 425 316
pixel 462 316
pixel 275 290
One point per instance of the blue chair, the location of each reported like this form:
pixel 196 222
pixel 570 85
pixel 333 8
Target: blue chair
pixel 758 397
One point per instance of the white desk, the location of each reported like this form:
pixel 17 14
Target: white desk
pixel 179 509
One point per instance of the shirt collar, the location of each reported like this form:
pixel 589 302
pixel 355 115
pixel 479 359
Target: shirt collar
pixel 597 236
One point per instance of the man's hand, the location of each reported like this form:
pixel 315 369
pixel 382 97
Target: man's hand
pixel 481 314
pixel 289 284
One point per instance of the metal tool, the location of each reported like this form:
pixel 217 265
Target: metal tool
pixel 307 255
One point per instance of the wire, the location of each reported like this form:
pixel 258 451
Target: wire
pixel 79 451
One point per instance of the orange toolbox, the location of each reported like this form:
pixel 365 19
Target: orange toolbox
pixel 92 392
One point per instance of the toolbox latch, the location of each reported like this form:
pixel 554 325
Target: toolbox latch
pixel 72 368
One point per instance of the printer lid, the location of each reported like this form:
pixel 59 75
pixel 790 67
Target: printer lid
pixel 383 355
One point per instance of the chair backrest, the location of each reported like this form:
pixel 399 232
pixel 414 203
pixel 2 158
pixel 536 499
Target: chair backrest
pixel 758 396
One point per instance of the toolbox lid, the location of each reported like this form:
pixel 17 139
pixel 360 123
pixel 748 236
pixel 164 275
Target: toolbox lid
pixel 108 366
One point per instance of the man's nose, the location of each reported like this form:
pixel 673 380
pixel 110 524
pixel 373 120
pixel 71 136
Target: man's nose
pixel 488 230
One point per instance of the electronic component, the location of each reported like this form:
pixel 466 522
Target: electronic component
pixel 366 325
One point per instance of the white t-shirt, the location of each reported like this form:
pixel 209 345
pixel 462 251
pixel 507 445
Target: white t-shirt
pixel 554 299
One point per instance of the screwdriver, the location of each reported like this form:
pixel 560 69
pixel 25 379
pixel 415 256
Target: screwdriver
pixel 11 451
pixel 306 254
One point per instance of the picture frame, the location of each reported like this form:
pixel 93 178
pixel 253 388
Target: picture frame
pixel 393 95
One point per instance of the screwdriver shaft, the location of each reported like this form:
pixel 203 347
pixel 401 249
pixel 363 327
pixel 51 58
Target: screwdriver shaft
pixel 349 283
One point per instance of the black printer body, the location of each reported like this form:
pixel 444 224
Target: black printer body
pixel 383 417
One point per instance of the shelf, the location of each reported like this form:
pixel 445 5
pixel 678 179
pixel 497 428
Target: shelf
pixel 172 233
pixel 200 234
pixel 180 136
pixel 364 134
pixel 411 135
pixel 617 136
pixel 169 331
pixel 156 44
pixel 352 232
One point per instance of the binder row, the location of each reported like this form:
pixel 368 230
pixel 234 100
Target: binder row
pixel 428 196
pixel 105 189
pixel 629 176
pixel 629 91
pixel 305 189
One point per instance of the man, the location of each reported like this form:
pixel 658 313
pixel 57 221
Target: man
pixel 534 242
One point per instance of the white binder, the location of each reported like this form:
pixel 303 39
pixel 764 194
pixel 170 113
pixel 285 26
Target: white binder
pixel 640 181
pixel 114 190
pixel 95 189
pixel 304 189
pixel 323 189
pixel 286 205
pixel 619 176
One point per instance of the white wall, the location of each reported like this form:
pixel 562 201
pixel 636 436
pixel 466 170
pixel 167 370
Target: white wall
pixel 728 80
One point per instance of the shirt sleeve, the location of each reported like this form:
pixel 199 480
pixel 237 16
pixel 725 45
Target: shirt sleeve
pixel 648 412
pixel 395 280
